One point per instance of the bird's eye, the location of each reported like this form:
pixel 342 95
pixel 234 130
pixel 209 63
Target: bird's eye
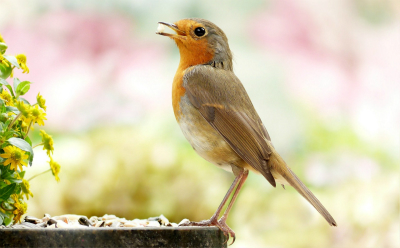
pixel 199 31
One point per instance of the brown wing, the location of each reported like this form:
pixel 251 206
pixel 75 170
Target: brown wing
pixel 231 113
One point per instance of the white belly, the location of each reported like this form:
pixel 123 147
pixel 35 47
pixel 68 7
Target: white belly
pixel 205 140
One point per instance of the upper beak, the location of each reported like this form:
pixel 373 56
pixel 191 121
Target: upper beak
pixel 160 29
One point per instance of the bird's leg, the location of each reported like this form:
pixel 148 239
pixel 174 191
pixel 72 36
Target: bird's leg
pixel 222 222
pixel 213 221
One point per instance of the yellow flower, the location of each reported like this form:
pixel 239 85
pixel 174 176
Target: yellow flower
pixel 15 157
pixel 25 189
pixel 4 61
pixel 38 115
pixel 47 141
pixel 25 123
pixel 20 209
pixel 7 98
pixel 25 109
pixel 55 168
pixel 41 101
pixel 21 58
pixel 1 39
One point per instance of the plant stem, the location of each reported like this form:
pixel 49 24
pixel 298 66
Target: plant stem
pixel 38 145
pixel 29 128
pixel 39 174
pixel 5 209
pixel 13 121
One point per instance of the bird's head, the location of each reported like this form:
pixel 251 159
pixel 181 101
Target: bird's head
pixel 199 42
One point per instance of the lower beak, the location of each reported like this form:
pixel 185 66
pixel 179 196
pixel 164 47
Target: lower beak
pixel 160 30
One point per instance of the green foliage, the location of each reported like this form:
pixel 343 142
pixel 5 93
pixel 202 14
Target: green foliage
pixel 17 116
pixel 22 88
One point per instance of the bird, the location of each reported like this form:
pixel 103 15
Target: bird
pixel 218 118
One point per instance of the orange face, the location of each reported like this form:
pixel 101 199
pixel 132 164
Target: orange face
pixel 191 39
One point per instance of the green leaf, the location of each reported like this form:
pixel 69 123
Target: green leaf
pixel 2 184
pixel 5 174
pixel 10 176
pixel 5 83
pixel 5 71
pixel 24 100
pixel 16 83
pixel 6 124
pixel 7 191
pixel 1 218
pixel 18 189
pixel 13 60
pixel 14 180
pixel 8 220
pixel 3 108
pixel 22 88
pixel 27 139
pixel 3 48
pixel 12 109
pixel 23 145
pixel 22 174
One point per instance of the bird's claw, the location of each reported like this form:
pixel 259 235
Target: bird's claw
pixel 228 232
pixel 221 224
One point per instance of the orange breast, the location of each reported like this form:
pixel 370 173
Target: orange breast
pixel 192 53
pixel 177 91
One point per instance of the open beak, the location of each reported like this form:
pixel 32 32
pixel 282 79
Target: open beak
pixel 161 26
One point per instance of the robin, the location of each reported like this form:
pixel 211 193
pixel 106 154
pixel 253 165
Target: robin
pixel 218 119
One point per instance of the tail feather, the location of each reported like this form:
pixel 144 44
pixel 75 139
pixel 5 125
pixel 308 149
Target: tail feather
pixel 279 167
pixel 295 182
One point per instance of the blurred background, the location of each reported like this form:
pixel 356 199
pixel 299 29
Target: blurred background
pixel 324 77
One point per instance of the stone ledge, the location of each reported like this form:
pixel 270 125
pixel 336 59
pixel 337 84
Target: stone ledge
pixel 114 237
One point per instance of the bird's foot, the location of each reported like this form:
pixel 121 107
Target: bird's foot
pixel 221 224
pixel 228 232
pixel 210 222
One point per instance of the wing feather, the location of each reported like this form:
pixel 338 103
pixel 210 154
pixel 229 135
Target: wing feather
pixel 239 123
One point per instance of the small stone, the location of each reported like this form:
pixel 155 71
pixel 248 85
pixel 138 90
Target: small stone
pixel 62 224
pixel 163 220
pixel 109 217
pixel 93 220
pixel 45 219
pixel 32 219
pixel 84 221
pixel 183 222
pixel 110 222
pixel 52 226
pixel 43 224
pixel 131 224
pixel 115 224
pixel 140 222
pixel 51 222
pixel 24 225
pixel 153 223
pixel 99 224
pixel 122 220
pixel 63 218
pixel 72 217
